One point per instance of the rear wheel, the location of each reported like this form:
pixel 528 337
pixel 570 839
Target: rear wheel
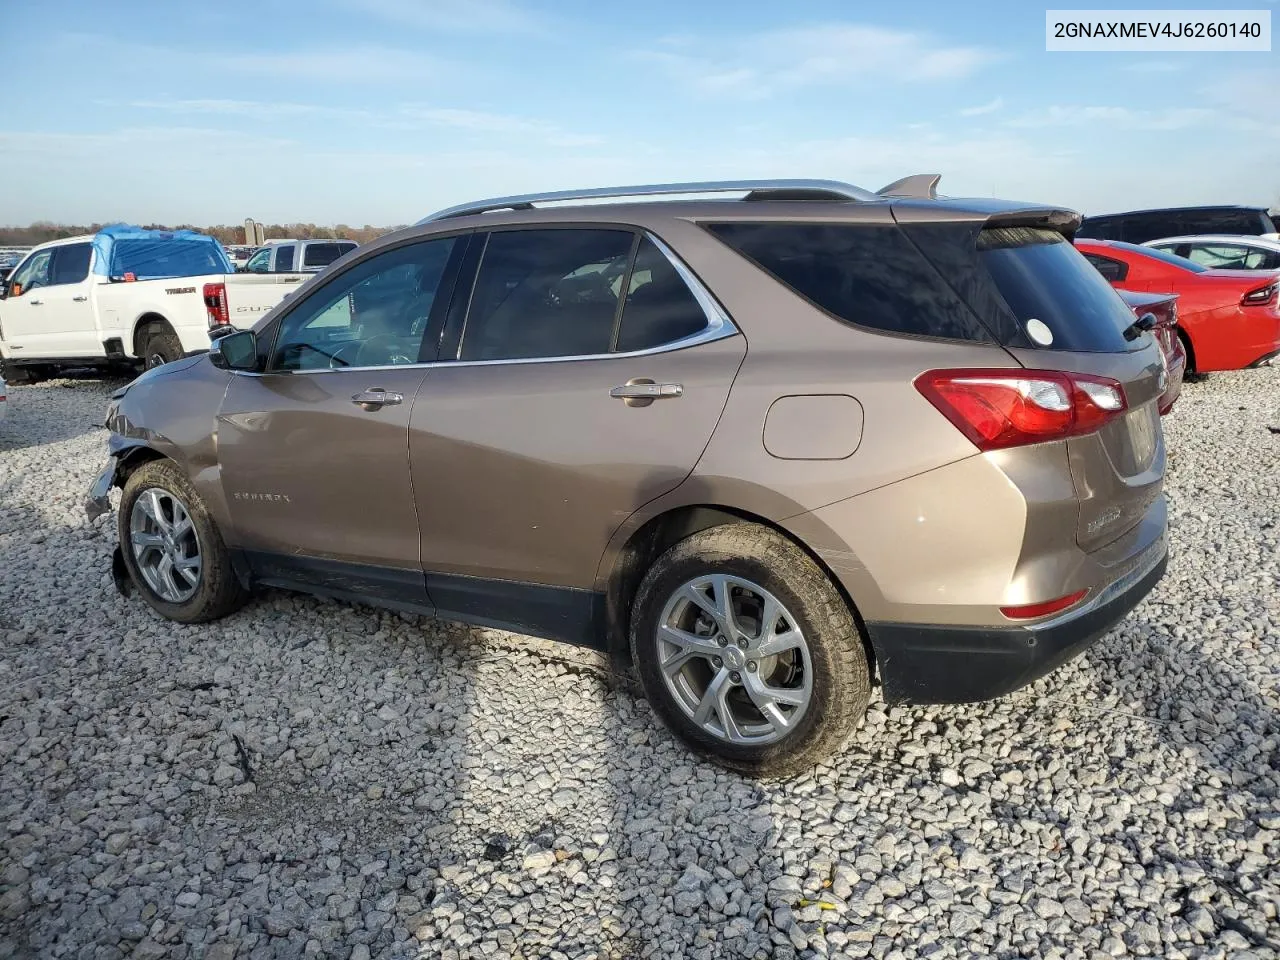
pixel 18 374
pixel 747 651
pixel 172 547
pixel 160 346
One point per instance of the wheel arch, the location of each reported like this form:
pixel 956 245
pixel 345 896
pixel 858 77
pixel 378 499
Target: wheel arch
pixel 1189 347
pixel 143 325
pixel 662 531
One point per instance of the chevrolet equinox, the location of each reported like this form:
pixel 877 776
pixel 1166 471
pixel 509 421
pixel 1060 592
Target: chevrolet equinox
pixel 764 442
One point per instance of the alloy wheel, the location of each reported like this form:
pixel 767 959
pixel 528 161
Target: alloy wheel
pixel 735 659
pixel 165 547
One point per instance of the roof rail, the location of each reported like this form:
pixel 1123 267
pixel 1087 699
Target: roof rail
pixel 754 190
pixel 918 186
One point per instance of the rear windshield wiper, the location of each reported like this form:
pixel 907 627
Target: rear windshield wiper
pixel 1140 326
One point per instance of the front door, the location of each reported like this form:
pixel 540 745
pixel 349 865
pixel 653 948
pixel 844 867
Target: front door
pixel 314 452
pixel 66 324
pixel 559 407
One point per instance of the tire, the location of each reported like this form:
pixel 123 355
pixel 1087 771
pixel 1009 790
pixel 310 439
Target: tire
pixel 217 592
pixel 18 374
pixel 160 346
pixel 831 653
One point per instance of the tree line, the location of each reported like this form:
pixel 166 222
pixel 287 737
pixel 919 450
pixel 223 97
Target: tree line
pixel 43 231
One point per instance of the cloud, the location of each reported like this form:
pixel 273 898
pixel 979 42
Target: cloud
pixel 838 54
pixel 1171 118
pixel 989 107
pixel 337 65
pixel 1153 66
pixel 461 16
pixel 405 117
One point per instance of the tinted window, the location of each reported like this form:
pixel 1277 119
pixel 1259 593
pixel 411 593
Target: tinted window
pixel 71 263
pixel 284 257
pixel 1043 277
pixel 1113 271
pixel 173 257
pixel 869 275
pixel 660 307
pixel 1164 256
pixel 1248 222
pixel 323 254
pixel 373 314
pixel 1151 226
pixel 546 293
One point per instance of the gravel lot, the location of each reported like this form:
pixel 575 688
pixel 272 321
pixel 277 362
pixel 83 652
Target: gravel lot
pixel 313 779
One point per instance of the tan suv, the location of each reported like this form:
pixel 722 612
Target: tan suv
pixel 764 444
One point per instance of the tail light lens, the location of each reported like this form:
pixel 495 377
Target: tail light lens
pixel 1004 408
pixel 1261 296
pixel 215 301
pixel 1029 611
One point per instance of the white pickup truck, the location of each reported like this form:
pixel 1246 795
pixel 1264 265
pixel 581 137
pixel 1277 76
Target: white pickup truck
pixel 124 296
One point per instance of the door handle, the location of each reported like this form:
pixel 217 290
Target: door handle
pixel 376 397
pixel 641 392
pixel 36 303
pixel 80 298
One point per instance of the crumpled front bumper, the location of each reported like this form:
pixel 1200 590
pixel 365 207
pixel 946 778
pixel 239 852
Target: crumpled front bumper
pixel 98 501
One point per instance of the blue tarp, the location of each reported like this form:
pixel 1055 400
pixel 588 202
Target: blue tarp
pixel 157 254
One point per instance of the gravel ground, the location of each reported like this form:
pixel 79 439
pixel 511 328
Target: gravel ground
pixel 309 778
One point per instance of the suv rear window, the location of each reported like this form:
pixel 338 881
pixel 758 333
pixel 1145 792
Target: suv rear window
pixel 1043 277
pixel 869 275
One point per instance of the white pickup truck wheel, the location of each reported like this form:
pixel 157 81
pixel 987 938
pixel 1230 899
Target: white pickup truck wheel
pixel 161 346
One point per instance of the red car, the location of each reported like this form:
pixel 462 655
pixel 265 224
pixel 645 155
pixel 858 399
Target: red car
pixel 1164 308
pixel 1228 319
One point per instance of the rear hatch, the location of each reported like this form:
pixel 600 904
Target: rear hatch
pixel 1053 311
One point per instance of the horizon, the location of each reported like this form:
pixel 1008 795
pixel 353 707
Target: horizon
pixel 380 111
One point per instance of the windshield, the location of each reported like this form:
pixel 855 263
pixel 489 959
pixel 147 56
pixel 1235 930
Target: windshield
pixel 1061 301
pixel 156 259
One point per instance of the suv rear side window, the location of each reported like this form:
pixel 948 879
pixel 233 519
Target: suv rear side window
pixel 1043 277
pixel 864 274
pixel 546 293
pixel 660 307
pixel 323 254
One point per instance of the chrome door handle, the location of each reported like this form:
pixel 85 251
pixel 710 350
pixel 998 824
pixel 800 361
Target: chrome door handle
pixel 376 397
pixel 80 299
pixel 647 390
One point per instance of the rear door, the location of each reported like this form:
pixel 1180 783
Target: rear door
pixel 584 380
pixel 1077 323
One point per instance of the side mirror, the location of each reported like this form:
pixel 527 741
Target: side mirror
pixel 235 351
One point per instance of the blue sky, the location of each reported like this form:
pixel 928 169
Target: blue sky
pixel 379 111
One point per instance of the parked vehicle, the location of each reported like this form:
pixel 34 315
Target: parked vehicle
pixel 1139 226
pixel 239 255
pixel 1224 251
pixel 1228 319
pixel 4 398
pixel 940 461
pixel 307 256
pixel 122 296
pixel 7 262
pixel 1162 311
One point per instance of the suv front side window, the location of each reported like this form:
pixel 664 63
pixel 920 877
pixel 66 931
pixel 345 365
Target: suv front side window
pixel 374 314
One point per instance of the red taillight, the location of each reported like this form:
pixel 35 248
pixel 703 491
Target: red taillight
pixel 1010 408
pixel 1261 296
pixel 215 301
pixel 1029 611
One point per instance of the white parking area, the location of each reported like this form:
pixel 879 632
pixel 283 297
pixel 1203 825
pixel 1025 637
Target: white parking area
pixel 308 778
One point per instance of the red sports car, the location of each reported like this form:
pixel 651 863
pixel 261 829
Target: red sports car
pixel 1228 319
pixel 1163 307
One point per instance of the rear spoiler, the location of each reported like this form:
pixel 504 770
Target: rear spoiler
pixel 918 186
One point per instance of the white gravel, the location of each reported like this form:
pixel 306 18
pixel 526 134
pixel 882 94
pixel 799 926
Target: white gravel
pixel 313 779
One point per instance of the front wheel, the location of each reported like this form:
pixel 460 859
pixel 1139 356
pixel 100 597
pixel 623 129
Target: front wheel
pixel 747 651
pixel 172 548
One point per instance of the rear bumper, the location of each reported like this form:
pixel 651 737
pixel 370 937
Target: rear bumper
pixel 922 663
pixel 1266 360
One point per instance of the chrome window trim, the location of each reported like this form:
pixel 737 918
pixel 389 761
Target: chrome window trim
pixel 719 326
